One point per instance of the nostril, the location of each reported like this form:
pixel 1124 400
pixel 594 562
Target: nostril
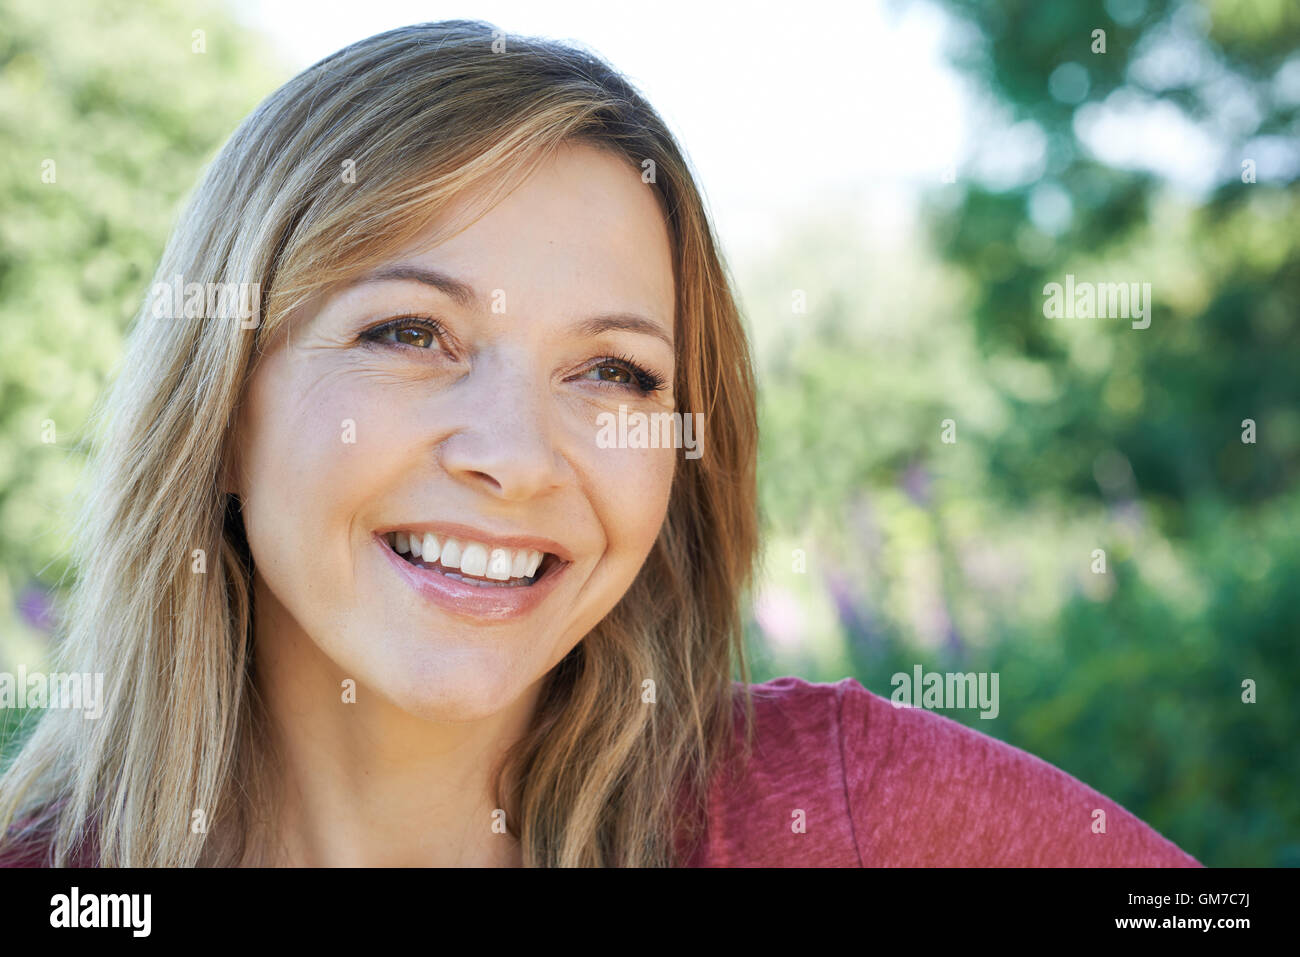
pixel 488 479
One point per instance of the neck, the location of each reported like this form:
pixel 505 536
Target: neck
pixel 367 784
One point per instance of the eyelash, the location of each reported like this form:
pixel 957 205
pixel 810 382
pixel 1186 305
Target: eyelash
pixel 646 380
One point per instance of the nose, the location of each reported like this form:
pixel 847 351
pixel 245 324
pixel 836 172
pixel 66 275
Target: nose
pixel 505 445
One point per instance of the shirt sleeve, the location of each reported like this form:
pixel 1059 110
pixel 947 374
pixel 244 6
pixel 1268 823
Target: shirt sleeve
pixel 945 795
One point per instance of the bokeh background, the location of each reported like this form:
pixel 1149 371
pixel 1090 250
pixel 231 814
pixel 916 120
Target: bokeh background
pixel 894 186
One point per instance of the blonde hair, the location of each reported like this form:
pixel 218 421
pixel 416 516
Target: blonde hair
pixel 423 113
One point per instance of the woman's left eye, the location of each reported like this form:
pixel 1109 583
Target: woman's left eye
pixel 612 373
pixel 624 372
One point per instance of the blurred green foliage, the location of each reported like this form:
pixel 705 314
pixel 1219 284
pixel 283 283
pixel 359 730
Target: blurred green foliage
pixel 107 115
pixel 1072 434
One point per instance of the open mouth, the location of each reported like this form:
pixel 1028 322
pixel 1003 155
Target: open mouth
pixel 473 562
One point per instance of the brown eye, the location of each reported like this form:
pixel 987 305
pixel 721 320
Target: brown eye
pixel 413 336
pixel 624 372
pixel 416 332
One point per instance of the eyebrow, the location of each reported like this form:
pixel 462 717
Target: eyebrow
pixel 462 293
pixel 467 297
pixel 624 322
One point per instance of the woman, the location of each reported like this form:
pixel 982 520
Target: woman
pixel 370 583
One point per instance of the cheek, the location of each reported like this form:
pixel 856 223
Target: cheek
pixel 628 491
pixel 304 470
pixel 632 487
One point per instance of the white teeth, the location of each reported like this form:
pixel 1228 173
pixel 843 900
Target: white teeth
pixel 474 559
pixel 519 568
pixel 498 565
pixel 450 557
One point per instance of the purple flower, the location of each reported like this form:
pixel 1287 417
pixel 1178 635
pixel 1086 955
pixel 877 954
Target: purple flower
pixel 36 605
pixel 916 483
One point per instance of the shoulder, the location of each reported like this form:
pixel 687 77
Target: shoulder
pixel 786 805
pixel 929 791
pixel 839 776
pixel 29 843
pixel 791 710
pixel 20 848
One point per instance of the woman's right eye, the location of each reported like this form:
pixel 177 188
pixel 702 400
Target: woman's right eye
pixel 413 336
pixel 416 332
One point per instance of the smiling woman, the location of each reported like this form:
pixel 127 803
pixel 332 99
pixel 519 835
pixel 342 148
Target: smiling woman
pixel 368 587
pixel 363 584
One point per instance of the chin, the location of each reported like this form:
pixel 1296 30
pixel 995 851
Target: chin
pixel 454 685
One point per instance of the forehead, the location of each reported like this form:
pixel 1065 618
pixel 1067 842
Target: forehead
pixel 582 228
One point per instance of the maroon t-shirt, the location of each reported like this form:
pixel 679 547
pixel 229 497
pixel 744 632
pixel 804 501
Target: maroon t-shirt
pixel 841 777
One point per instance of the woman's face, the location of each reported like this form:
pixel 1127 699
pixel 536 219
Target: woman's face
pixel 451 400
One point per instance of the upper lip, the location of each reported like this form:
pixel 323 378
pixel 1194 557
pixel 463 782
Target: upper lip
pixel 467 533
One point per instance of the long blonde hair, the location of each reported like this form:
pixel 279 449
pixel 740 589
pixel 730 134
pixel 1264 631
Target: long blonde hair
pixel 419 114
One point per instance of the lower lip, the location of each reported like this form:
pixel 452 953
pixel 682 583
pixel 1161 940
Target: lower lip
pixel 472 601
